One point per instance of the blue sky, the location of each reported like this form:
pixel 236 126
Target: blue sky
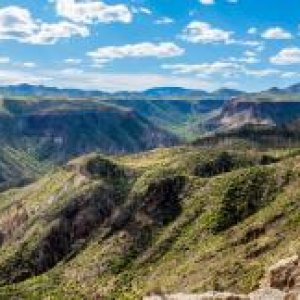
pixel 136 44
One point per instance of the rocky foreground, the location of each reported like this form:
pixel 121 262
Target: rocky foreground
pixel 281 282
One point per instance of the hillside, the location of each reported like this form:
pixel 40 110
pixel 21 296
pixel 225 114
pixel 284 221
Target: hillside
pixel 58 130
pixel 256 111
pixel 179 116
pixel 165 220
pixel 18 167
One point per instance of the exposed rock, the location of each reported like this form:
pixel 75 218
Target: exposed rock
pixel 267 294
pixel 284 275
pixel 293 295
pixel 207 296
pixel 282 282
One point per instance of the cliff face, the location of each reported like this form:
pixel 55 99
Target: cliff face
pixel 59 130
pixel 242 111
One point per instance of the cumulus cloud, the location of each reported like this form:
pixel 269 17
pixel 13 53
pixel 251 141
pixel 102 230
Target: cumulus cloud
pixel 225 69
pixel 204 33
pixel 276 33
pixel 287 56
pixel 90 11
pixel 160 50
pixel 16 23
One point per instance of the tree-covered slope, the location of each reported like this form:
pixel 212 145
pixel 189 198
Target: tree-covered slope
pixel 168 219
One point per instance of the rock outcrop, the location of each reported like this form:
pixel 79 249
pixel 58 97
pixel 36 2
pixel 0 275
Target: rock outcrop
pixel 284 275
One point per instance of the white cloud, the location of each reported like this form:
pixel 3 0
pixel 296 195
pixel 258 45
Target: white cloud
pixel 16 23
pixel 205 69
pixel 142 10
pixel 204 33
pixel 10 77
pixel 261 72
pixel 75 78
pixel 4 60
pixel 51 33
pixel 287 56
pixel 249 53
pixel 29 64
pixel 276 33
pixel 245 59
pixel 290 75
pixel 225 69
pixel 90 11
pixel 252 30
pixel 207 2
pixel 160 50
pixel 164 20
pixel 72 61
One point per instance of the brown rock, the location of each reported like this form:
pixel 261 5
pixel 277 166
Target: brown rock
pixel 284 275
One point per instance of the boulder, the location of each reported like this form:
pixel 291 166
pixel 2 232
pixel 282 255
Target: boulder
pixel 284 275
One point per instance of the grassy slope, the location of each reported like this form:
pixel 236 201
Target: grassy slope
pixel 18 167
pixel 167 219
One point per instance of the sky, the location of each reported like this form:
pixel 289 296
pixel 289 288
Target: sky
pixel 114 45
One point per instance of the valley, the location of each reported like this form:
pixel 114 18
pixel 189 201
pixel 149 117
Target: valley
pixel 119 198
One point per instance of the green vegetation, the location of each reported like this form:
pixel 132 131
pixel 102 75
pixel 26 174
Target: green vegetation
pixel 168 219
pixel 18 167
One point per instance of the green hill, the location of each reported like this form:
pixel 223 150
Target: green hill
pixel 168 219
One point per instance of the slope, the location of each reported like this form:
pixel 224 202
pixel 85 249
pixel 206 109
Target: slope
pixel 58 130
pixel 168 219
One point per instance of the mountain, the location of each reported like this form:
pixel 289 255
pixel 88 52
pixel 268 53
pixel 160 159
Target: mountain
pixel 261 109
pixel 171 91
pixel 293 89
pixel 178 116
pixel 43 91
pixel 226 93
pixel 58 130
pixel 168 220
pixel 162 93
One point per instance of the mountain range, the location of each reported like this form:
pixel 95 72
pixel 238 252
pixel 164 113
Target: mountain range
pixel 156 93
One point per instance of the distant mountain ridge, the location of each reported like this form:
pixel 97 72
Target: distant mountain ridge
pixel 157 92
